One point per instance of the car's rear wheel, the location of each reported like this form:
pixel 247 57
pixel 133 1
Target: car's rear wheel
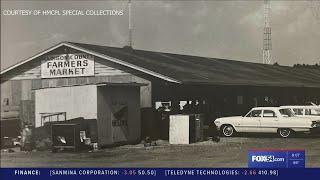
pixel 285 132
pixel 227 130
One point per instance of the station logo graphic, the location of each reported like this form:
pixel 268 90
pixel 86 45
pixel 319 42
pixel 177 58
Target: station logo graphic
pixel 276 158
pixel 270 158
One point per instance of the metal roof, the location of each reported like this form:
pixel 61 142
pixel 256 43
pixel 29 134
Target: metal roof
pixel 201 70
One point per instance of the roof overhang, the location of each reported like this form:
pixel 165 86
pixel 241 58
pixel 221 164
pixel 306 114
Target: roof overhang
pixel 103 56
pixel 133 84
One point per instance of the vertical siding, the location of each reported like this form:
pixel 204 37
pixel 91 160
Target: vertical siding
pixel 26 86
pixel 16 93
pixel 129 95
pixel 104 117
pixel 109 134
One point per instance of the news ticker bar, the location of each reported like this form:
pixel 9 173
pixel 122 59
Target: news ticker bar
pixel 102 173
pixel 276 158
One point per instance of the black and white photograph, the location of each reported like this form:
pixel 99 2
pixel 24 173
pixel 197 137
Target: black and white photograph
pixel 160 84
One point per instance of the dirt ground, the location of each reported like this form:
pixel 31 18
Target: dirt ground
pixel 229 152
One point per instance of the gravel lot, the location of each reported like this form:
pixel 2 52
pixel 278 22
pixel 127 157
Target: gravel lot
pixel 229 152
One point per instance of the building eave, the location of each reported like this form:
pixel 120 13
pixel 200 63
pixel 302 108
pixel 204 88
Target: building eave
pixel 103 56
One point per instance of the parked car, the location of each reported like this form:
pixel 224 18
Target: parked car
pixel 267 120
pixel 305 111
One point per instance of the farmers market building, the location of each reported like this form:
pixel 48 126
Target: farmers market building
pixel 119 88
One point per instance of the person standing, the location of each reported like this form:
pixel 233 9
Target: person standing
pixel 26 139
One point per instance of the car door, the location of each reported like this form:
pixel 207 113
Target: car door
pixel 269 122
pixel 251 122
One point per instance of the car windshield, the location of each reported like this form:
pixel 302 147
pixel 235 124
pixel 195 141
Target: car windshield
pixel 286 113
pixel 254 113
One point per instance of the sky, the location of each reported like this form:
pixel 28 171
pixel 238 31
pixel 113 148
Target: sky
pixel 219 29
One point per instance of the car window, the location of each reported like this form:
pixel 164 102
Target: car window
pixel 298 111
pixel 269 113
pixel 254 113
pixel 286 113
pixel 307 111
pixel 313 112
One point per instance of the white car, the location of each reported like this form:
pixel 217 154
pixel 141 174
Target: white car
pixel 267 120
pixel 305 111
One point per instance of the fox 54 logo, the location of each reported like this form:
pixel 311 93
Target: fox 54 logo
pixel 266 158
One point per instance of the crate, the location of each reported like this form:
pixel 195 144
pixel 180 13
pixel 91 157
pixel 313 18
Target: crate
pixel 186 128
pixel 65 136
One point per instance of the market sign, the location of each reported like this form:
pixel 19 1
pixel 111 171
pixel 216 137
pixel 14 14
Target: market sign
pixel 67 65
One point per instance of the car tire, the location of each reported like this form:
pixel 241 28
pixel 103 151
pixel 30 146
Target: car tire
pixel 285 133
pixel 227 130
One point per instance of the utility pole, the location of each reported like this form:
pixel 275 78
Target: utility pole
pixel 130 25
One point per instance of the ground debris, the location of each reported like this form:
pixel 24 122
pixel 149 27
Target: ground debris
pixel 43 144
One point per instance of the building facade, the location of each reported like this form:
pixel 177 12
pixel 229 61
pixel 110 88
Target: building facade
pixel 71 80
